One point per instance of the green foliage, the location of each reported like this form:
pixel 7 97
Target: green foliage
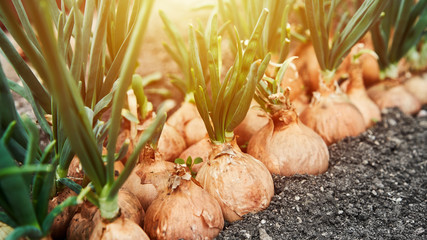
pixel 229 101
pixel 401 28
pixel 270 95
pixel 330 51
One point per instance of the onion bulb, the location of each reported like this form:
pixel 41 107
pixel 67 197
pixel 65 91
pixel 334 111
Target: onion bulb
pixel 240 183
pixel 149 177
pixel 356 90
pixel 287 147
pixel 82 224
pixel 255 119
pixel 187 121
pixel 333 117
pixel 121 228
pixel 388 94
pixel 58 230
pixel 168 138
pixel 184 211
pixel 417 86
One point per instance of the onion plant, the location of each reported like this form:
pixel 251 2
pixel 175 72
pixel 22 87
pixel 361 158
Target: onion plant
pixel 25 186
pixel 222 109
pixel 66 92
pixel 230 99
pixel 94 58
pixel 331 114
pixel 400 29
pixel 332 44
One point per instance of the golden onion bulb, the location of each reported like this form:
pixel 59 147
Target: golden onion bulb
pixel 389 94
pixel 240 183
pixel 185 211
pixel 287 147
pixel 333 117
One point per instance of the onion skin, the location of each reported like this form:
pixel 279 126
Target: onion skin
pixel 149 177
pixel 58 230
pixel 255 119
pixel 369 110
pixel 240 183
pixel 333 117
pixel 186 120
pixel 356 92
pixel 287 147
pixel 417 86
pixel 82 224
pixel 195 130
pixel 388 94
pixel 168 138
pixel 187 212
pixel 120 229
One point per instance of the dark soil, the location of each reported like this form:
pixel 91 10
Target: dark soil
pixel 375 188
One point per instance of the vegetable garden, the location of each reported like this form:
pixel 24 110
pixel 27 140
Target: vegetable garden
pixel 250 95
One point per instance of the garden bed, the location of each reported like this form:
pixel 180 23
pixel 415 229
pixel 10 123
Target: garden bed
pixel 375 187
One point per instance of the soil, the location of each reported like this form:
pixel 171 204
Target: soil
pixel 375 188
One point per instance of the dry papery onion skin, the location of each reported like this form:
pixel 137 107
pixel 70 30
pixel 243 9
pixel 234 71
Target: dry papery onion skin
pixel 185 211
pixel 417 86
pixel 121 228
pixel 148 178
pixel 333 117
pixel 240 183
pixel 58 230
pixel 287 147
pixel 255 120
pixel 369 110
pixel 389 94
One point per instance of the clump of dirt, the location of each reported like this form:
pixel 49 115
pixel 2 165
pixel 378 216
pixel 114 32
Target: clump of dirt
pixel 375 187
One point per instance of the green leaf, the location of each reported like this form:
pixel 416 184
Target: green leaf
pixel 179 161
pixel 25 231
pixel 189 162
pixel 197 160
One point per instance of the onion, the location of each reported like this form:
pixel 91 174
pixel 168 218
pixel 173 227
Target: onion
pixel 120 228
pixel 193 131
pixel 287 147
pixel 184 116
pixel 369 63
pixel 417 86
pixel 333 117
pixel 240 183
pixel 168 138
pixel 184 211
pixel 356 90
pixel 255 119
pixel 149 177
pixel 388 94
pixel 58 230
pixel 369 110
pixel 82 225
pixel 200 149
